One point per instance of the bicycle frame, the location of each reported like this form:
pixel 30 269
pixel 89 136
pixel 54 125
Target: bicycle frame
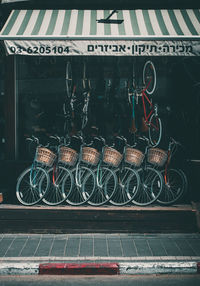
pixel 144 96
pixel 77 173
pixel 153 108
pixel 35 164
pixel 33 174
pixel 150 110
pixel 85 109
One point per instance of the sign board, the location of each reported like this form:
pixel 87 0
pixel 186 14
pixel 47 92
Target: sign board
pixel 102 48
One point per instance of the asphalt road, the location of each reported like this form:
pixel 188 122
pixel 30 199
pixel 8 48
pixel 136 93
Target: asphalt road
pixel 139 280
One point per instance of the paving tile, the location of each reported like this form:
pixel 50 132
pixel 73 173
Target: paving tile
pixel 100 246
pixel 5 243
pixel 195 245
pixel 30 246
pixel 142 247
pixel 114 246
pixel 58 247
pixel 185 248
pixel 128 247
pixel 44 247
pixel 72 247
pixel 156 247
pixel 170 247
pixel 16 247
pixel 86 247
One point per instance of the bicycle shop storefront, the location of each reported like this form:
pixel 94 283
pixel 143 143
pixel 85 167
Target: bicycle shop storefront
pixel 114 46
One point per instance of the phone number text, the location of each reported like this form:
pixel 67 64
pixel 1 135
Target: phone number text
pixel 40 50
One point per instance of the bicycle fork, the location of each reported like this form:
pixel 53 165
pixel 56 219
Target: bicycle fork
pixel 99 177
pixel 77 176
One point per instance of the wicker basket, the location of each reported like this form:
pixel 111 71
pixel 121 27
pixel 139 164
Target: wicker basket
pixel 134 157
pixel 45 156
pixel 67 156
pixel 157 156
pixel 112 156
pixel 90 155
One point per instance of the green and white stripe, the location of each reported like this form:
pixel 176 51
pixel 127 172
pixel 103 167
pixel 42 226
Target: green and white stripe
pixel 66 24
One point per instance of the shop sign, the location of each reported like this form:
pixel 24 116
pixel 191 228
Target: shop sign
pixel 102 48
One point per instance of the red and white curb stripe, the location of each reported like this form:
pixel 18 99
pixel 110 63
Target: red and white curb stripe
pixel 130 268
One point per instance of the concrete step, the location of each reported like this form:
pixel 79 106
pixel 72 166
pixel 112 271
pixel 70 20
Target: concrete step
pixel 107 219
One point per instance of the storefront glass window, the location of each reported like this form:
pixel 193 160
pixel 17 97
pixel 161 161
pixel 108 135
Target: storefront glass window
pixel 40 93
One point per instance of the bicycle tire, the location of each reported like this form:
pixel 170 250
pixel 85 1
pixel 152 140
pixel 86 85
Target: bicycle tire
pixel 68 79
pixel 149 77
pixel 128 184
pixel 80 195
pixel 29 195
pixel 174 188
pixel 151 183
pixel 155 130
pixel 56 194
pixel 103 194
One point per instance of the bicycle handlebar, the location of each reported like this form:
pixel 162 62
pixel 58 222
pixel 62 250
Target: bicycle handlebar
pixel 173 141
pixel 122 138
pixel 144 138
pixel 100 138
pixel 33 138
pixel 56 137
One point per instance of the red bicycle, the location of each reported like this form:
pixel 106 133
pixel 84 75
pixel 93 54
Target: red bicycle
pixel 151 121
pixel 175 181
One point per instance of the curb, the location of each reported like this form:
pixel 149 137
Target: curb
pixel 79 268
pixel 131 268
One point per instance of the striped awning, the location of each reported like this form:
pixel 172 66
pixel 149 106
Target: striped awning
pixel 79 32
pixel 83 24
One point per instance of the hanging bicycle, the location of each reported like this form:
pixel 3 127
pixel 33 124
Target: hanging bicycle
pixel 151 121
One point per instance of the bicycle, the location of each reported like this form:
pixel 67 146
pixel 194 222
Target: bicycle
pixel 68 104
pixel 151 121
pixel 106 180
pixel 56 194
pixel 175 181
pixel 128 180
pixel 33 182
pixel 151 180
pixel 84 178
pixel 86 96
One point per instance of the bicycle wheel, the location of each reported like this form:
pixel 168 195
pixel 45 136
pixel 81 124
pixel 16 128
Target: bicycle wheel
pixel 68 79
pixel 151 182
pixel 128 183
pixel 56 194
pixel 82 193
pixel 149 77
pixel 174 186
pixel 155 130
pixel 105 187
pixel 29 190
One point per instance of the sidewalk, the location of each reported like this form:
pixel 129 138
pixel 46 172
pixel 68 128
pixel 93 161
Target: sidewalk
pixel 130 251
